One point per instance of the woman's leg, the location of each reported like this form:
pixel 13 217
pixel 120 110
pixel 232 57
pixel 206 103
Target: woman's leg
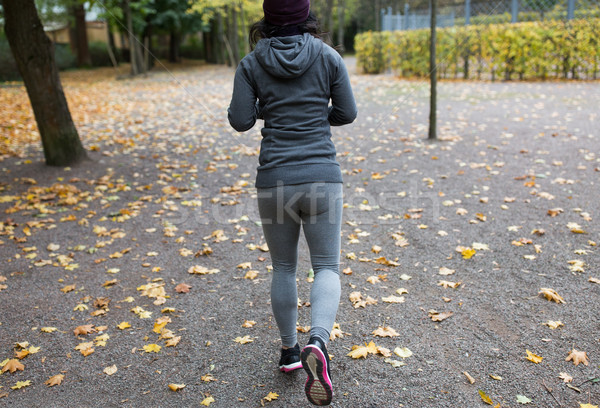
pixel 281 226
pixel 321 212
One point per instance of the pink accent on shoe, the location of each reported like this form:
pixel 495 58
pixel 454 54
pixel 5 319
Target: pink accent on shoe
pixel 290 367
pixel 318 387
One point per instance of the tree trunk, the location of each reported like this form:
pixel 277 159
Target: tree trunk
pixel 132 54
pixel 377 15
pixel 174 40
pixel 340 33
pixel 244 28
pixel 34 54
pixel 328 18
pixel 235 43
pixel 84 59
pixel 433 74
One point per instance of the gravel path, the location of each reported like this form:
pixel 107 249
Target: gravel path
pixel 169 187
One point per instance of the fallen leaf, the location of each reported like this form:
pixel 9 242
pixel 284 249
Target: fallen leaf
pixel 176 387
pixel 438 317
pixel 581 405
pixel 68 288
pixel 12 366
pixel 152 348
pixel 448 284
pixel 271 396
pixel 110 370
pixel 173 341
pixel 248 323
pixel 521 399
pixel 551 295
pixel 533 357
pixel 207 401
pixel 446 271
pixel 485 398
pixel 55 380
pixel 471 379
pixel 243 340
pixel 83 330
pixel 565 377
pixel 385 332
pixel 124 325
pixel 578 357
pixel 394 363
pixel 21 384
pixel 554 324
pixel 403 352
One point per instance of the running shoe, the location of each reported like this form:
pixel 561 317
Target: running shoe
pixel 290 359
pixel 315 362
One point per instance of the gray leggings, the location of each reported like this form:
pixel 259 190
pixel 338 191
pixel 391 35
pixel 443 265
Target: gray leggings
pixel 318 208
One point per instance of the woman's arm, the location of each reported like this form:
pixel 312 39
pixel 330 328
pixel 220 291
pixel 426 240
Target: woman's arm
pixel 243 109
pixel 343 110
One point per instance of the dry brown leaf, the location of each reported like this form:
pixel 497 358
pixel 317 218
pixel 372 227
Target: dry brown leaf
pixel 385 332
pixel 173 341
pixel 83 330
pixel 183 288
pixel 551 295
pixel 12 366
pixel 438 317
pixel 55 380
pixel 565 377
pixel 578 357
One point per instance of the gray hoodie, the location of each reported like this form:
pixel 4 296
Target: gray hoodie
pixel 288 82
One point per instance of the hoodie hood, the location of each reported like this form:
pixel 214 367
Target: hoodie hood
pixel 288 57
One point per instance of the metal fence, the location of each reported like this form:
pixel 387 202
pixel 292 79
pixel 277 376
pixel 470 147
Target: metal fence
pixel 488 12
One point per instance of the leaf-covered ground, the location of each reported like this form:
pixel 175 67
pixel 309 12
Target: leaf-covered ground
pixel 470 266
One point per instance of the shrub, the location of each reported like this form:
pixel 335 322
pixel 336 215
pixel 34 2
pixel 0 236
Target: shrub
pixel 63 57
pixel 99 54
pixel 531 50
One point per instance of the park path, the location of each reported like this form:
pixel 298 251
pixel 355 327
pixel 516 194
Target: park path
pixel 446 245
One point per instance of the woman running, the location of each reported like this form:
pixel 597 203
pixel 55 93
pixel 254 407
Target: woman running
pixel 288 80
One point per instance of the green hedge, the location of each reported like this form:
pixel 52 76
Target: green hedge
pixel 531 50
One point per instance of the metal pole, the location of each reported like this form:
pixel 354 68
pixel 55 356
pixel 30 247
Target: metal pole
pixel 467 12
pixel 406 7
pixel 515 11
pixel 571 10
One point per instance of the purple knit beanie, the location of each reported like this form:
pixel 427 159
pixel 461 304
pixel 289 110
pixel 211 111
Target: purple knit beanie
pixel 286 12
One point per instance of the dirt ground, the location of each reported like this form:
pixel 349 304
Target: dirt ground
pixel 168 190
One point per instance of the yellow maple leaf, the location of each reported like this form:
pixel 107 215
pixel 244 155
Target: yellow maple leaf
pixel 243 340
pixel 55 380
pixel 124 325
pixel 271 396
pixel 48 329
pixel 21 384
pixel 207 401
pixel 359 352
pixel 533 357
pixel 158 326
pixel 468 253
pixel 152 348
pixel 176 387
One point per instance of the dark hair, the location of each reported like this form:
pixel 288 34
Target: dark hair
pixel 263 29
